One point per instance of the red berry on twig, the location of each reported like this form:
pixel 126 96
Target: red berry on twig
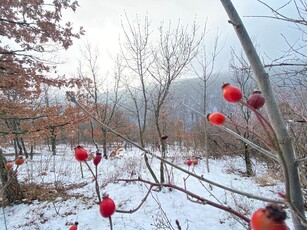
pixel 74 226
pixel 216 118
pixel 20 160
pixel 107 206
pixel 231 93
pixel 256 100
pixel 80 153
pixel 97 159
pixel 9 165
pixel 272 217
pixel 189 162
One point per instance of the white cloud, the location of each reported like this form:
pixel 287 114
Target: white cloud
pixel 102 22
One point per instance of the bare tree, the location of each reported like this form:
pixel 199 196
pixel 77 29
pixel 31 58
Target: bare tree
pixel 243 76
pixel 205 69
pixel 292 62
pixel 100 99
pixel 136 53
pixel 175 50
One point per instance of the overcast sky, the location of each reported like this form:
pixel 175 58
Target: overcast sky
pixel 101 20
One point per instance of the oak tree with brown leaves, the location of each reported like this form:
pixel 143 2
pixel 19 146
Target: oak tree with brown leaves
pixel 31 32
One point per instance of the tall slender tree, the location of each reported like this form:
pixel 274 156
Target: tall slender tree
pixel 176 48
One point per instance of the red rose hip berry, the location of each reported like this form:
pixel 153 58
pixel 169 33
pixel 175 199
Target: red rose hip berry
pixel 216 118
pixel 256 100
pixel 107 206
pixel 9 165
pixel 97 159
pixel 188 162
pixel 80 153
pixel 231 93
pixel 20 160
pixel 74 226
pixel 272 217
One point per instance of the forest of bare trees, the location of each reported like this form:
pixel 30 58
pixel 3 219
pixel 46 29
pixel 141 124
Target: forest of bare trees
pixel 149 99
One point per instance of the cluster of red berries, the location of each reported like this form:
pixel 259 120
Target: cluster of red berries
pixel 233 94
pixel 19 161
pixel 82 155
pixel 194 161
pixel 107 206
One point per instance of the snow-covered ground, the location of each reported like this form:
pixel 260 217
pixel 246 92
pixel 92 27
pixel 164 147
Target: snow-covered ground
pixel 160 210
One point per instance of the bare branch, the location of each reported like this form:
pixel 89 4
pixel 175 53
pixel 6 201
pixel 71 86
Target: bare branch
pixel 201 200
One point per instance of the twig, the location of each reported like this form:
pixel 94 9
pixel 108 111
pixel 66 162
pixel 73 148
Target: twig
pixel 189 193
pixel 269 143
pixel 165 222
pixel 4 216
pixel 111 224
pixel 96 181
pixel 263 151
pixel 211 194
pixel 178 225
pixel 81 169
pixel 264 122
pixel 300 161
pixel 140 205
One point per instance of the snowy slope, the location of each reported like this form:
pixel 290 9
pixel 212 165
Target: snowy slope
pixel 159 211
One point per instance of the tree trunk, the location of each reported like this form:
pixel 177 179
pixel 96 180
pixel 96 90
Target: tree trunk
pixel 205 124
pixel 18 146
pixel 24 148
pixel 53 141
pixel 248 162
pixel 15 147
pixel 53 145
pixel 141 133
pixel 12 191
pixel 163 155
pixel 284 143
pixel 150 169
pixel 104 142
pixel 146 158
pixel 31 152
